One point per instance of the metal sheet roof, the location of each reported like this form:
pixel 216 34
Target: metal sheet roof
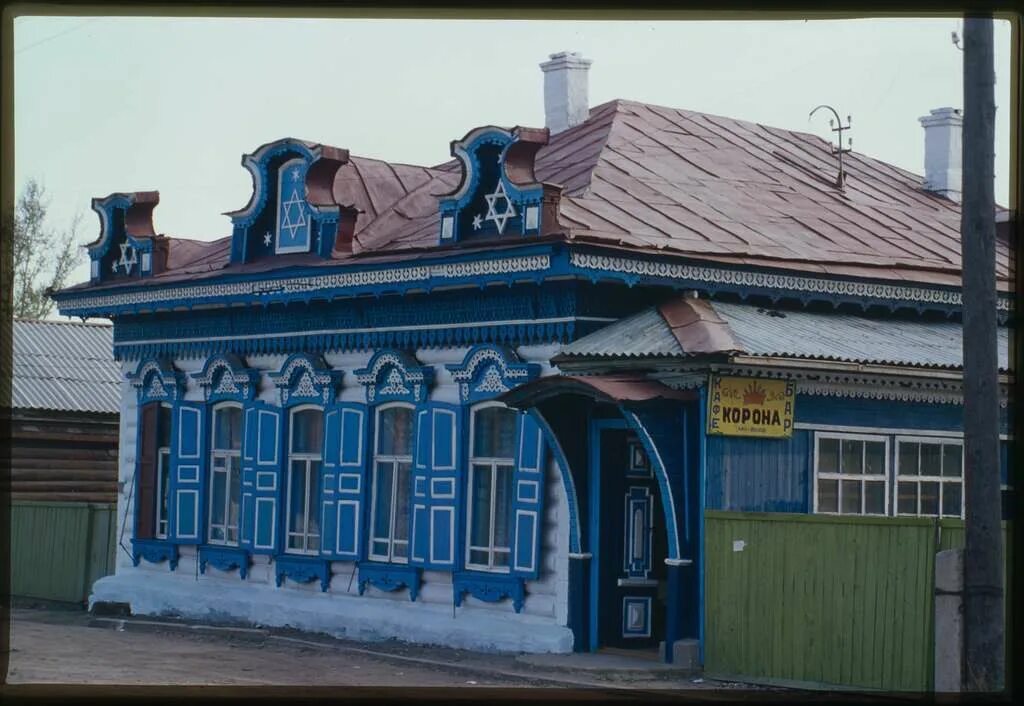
pixel 65 366
pixel 794 334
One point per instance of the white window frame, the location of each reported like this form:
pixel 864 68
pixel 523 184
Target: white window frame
pixel 884 476
pixel 162 469
pixel 227 455
pixel 494 462
pixel 393 461
pixel 941 480
pixel 308 458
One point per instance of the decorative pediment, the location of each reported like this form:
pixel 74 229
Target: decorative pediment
pixel 292 208
pixel 225 377
pixel 498 195
pixel 156 380
pixel 305 378
pixel 394 375
pixel 128 246
pixel 488 371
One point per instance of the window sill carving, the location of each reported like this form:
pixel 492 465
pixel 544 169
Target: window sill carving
pixel 302 569
pixel 490 588
pixel 388 577
pixel 154 551
pixel 224 558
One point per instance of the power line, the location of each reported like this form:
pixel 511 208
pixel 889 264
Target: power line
pixel 59 34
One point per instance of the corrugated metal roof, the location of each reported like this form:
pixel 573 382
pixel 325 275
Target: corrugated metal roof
pixel 65 366
pixel 794 334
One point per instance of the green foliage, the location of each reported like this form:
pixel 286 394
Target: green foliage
pixel 43 257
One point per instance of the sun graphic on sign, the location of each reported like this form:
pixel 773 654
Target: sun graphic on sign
pixel 754 394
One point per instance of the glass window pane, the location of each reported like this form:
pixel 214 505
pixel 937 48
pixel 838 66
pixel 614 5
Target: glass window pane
pixel 503 507
pixel 908 458
pixel 477 556
pixel 952 460
pixel 227 428
pixel 874 457
pixel 313 488
pixel 402 503
pixel 165 482
pixel 951 497
pixel 382 505
pixel 219 483
pixel 501 558
pixel 828 455
pixel 929 498
pixel 494 430
pixel 828 495
pixel 853 456
pixel 906 500
pixel 850 497
pixel 394 435
pixel 480 530
pixel 400 550
pixel 874 497
pixel 380 547
pixel 307 431
pixel 297 497
pixel 163 426
pixel 931 459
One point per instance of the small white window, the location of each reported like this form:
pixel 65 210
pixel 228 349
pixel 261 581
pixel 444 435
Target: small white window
pixel 225 473
pixel 850 474
pixel 929 477
pixel 491 460
pixel 305 454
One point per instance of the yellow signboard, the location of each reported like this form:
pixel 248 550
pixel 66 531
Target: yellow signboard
pixel 750 407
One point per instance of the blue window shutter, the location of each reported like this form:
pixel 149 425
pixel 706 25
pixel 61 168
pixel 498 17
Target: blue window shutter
pixel 419 523
pixel 443 486
pixel 344 481
pixel 188 462
pixel 262 459
pixel 528 498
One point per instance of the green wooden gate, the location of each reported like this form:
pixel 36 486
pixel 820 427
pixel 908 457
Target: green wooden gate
pixel 844 601
pixel 59 549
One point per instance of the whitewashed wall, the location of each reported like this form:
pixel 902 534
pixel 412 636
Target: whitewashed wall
pixel 152 589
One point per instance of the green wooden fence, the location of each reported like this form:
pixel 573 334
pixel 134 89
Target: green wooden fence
pixel 59 549
pixel 823 599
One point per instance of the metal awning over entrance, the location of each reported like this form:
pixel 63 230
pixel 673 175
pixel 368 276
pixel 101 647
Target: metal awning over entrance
pixel 613 389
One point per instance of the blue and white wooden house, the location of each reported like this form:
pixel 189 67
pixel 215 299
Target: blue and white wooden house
pixel 467 404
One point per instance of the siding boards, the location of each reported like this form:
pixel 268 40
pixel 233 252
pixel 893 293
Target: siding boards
pixel 763 475
pixel 59 549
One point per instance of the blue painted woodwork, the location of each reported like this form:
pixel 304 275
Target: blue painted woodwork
pixel 155 551
pixel 489 587
pixel 345 483
pixel 487 202
pixel 528 497
pixel 565 473
pixel 642 604
pixel 225 377
pixel 488 371
pixel 156 380
pixel 392 376
pixel 638 522
pixel 389 577
pixel 596 426
pixel 306 379
pixel 760 475
pixel 116 255
pixel 186 496
pixel 294 215
pixel 224 558
pixel 262 460
pixel 438 461
pixel 893 414
pixel 302 569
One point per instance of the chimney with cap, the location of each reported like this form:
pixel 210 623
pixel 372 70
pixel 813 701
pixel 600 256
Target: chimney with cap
pixel 565 90
pixel 943 132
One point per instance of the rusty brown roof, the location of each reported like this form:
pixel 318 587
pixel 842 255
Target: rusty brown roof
pixel 649 178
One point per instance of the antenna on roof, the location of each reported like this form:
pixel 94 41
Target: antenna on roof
pixel 841 177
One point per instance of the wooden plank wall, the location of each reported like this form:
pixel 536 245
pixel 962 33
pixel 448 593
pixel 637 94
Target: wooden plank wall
pixel 823 600
pixel 61 457
pixel 59 549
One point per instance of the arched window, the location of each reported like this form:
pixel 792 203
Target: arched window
pixel 491 467
pixel 225 473
pixel 392 462
pixel 305 455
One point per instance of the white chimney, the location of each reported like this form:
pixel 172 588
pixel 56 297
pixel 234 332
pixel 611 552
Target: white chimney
pixel 565 90
pixel 943 152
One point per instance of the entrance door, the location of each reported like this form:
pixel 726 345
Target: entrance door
pixel 630 537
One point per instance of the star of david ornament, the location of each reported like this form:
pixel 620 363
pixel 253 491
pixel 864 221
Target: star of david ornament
pixel 294 218
pixel 125 261
pixel 492 214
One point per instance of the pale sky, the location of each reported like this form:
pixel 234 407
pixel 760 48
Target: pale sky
pixel 133 104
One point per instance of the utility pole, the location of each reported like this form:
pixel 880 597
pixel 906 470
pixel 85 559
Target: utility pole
pixel 984 652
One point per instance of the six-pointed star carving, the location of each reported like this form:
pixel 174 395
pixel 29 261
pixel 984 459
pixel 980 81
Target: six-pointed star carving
pixel 492 215
pixel 267 237
pixel 476 221
pixel 127 263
